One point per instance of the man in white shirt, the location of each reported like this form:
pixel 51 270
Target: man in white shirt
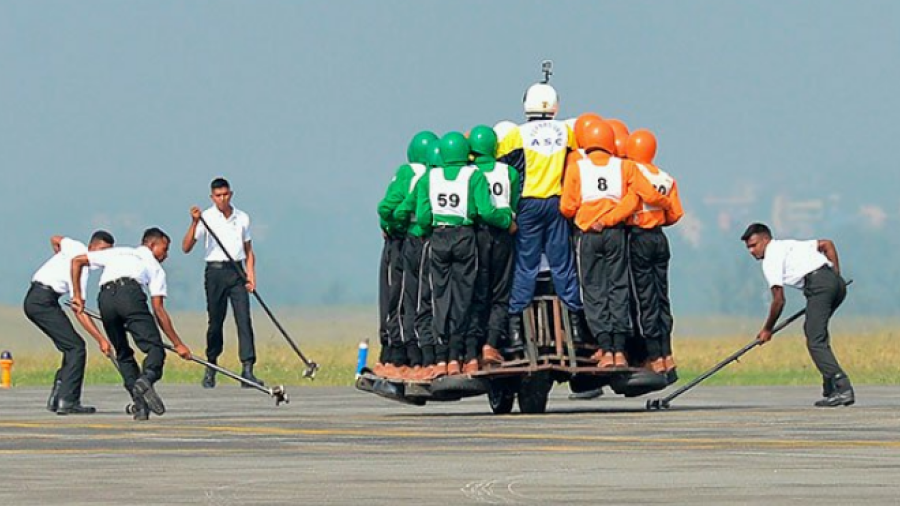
pixel 224 280
pixel 41 306
pixel 123 307
pixel 813 267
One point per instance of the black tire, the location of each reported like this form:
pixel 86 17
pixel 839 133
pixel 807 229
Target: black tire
pixel 501 396
pixel 533 393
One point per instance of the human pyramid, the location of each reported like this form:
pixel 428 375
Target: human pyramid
pixel 472 219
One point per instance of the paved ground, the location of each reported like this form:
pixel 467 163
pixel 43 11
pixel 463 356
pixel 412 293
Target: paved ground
pixel 340 446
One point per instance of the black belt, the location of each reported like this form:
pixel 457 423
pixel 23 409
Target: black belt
pixel 617 226
pixel 444 226
pixel 119 282
pixel 222 265
pixel 823 268
pixel 639 230
pixel 46 288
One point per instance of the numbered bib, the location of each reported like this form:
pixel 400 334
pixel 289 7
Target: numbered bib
pixel 601 182
pixel 450 198
pixel 662 182
pixel 499 185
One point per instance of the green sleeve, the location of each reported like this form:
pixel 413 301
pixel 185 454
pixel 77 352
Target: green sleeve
pixel 478 187
pixel 515 190
pixel 405 209
pixel 424 215
pixel 395 194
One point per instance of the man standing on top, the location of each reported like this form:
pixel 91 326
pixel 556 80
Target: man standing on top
pixel 649 254
pixel 452 198
pixel 594 194
pixel 537 149
pixel 224 280
pixel 404 342
pixel 496 246
pixel 41 306
pixel 812 266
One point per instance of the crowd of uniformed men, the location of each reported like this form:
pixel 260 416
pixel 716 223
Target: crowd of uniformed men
pixel 471 220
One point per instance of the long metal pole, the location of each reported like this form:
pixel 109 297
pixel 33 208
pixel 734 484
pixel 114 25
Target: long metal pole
pixel 311 367
pixel 665 401
pixel 277 392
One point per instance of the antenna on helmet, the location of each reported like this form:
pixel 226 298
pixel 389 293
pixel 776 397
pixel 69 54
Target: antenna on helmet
pixel 547 69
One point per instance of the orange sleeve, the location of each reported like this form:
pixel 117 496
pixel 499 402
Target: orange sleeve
pixel 571 194
pixel 629 203
pixel 675 212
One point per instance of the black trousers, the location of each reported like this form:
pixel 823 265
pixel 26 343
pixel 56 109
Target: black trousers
pixel 603 265
pixel 490 307
pixel 42 308
pixel 224 284
pixel 454 268
pixel 649 258
pixel 123 307
pixel 390 285
pixel 415 311
pixel 824 291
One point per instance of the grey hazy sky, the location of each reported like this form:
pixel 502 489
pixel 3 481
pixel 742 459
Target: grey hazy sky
pixel 117 114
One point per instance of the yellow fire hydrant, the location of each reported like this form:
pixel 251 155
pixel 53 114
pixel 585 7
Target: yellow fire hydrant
pixel 6 363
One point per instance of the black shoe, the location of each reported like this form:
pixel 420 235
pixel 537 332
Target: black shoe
pixel 209 379
pixel 139 410
pixel 143 388
pixel 841 395
pixel 836 399
pixel 53 400
pixel 576 323
pixel 74 408
pixel 516 341
pixel 247 374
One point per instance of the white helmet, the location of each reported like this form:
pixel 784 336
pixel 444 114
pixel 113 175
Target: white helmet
pixel 503 128
pixel 541 100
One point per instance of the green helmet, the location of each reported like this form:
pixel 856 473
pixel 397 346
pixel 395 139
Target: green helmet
pixel 418 146
pixel 454 148
pixel 433 156
pixel 483 140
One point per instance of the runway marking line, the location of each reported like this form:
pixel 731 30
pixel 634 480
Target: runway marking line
pixel 170 432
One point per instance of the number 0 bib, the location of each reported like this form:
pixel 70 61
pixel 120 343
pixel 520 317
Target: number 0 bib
pixel 498 184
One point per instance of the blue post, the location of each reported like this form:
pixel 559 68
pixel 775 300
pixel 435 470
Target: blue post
pixel 362 356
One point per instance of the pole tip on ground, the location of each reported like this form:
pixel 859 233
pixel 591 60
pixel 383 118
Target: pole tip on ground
pixel 280 395
pixel 311 370
pixel 657 404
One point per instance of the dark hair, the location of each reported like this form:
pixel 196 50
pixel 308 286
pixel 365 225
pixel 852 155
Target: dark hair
pixel 103 236
pixel 153 233
pixel 756 228
pixel 219 182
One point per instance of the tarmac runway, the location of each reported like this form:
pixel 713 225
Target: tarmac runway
pixel 717 445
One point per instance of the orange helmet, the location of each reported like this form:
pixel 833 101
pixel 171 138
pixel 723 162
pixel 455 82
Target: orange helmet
pixel 621 131
pixel 598 135
pixel 641 146
pixel 584 122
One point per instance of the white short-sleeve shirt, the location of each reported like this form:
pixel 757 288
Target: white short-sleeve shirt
pixel 138 264
pixel 787 261
pixel 57 271
pixel 233 231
